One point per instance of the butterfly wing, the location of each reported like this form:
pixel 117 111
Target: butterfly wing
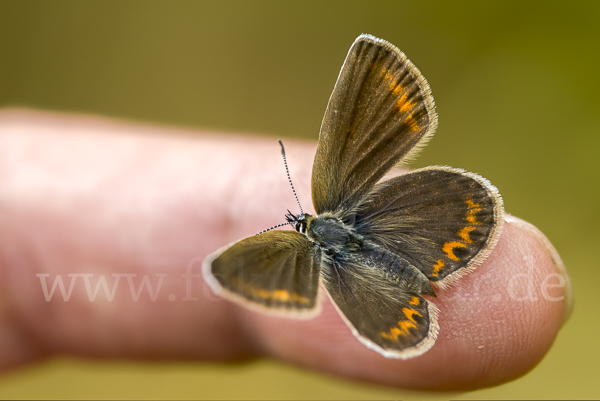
pixel 444 221
pixel 380 111
pixel 276 271
pixel 384 316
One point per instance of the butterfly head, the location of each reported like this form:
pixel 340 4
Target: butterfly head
pixel 299 222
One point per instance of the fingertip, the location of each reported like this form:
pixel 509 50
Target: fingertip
pixel 502 319
pixel 554 257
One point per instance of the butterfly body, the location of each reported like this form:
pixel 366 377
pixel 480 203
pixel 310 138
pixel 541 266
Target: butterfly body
pixel 376 247
pixel 339 244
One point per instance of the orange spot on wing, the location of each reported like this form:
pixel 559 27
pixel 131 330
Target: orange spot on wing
pixel 405 325
pixel 281 295
pixel 404 104
pixel 412 123
pixel 384 72
pixel 400 330
pixel 464 233
pixel 471 204
pixel 414 301
pixel 392 334
pixel 397 90
pixel 474 208
pixel 449 249
pixel 437 268
pixel 409 314
pixel 390 78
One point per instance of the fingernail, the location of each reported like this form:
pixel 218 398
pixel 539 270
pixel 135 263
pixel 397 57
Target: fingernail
pixel 556 260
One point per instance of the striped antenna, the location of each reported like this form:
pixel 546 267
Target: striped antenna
pixel 293 190
pixel 269 229
pixel 288 175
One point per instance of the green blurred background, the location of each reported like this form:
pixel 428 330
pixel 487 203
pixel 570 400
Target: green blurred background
pixel 517 90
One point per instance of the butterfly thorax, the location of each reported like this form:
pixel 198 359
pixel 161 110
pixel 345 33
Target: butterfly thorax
pixel 327 232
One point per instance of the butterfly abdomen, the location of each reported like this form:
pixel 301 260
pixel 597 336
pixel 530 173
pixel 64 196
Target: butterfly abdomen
pixel 396 269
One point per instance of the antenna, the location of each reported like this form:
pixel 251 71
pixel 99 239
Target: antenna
pixel 293 190
pixel 288 175
pixel 278 225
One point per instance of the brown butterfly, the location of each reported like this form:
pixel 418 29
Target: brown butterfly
pixel 377 247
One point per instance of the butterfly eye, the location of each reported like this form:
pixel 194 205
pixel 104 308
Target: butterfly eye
pixel 300 223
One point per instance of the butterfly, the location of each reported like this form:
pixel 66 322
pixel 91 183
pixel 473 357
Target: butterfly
pixel 379 248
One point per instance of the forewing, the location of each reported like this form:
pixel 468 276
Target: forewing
pixel 381 314
pixel 442 220
pixel 276 271
pixel 380 111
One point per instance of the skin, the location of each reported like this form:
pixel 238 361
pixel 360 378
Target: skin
pixel 88 195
